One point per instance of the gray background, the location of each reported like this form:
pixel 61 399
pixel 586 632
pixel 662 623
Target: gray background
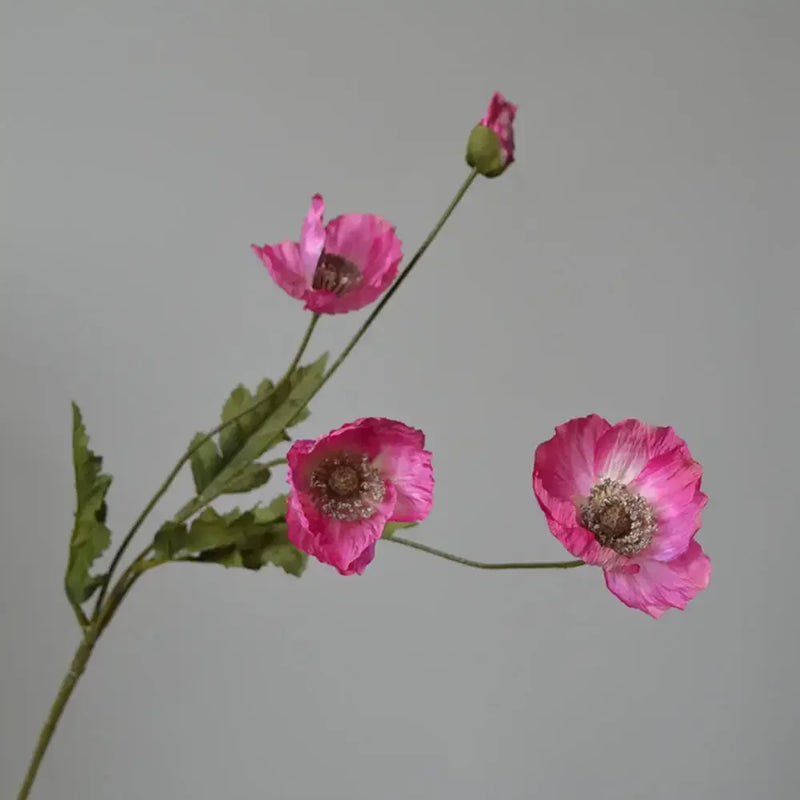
pixel 640 259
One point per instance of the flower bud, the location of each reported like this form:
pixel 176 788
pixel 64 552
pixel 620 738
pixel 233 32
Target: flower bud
pixel 490 148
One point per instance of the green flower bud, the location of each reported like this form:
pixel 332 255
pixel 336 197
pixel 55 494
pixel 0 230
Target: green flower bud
pixel 485 152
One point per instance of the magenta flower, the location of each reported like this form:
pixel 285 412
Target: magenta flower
pixel 339 267
pixel 626 498
pixel 347 485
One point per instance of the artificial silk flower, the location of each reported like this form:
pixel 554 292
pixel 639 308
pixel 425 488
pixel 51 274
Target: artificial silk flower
pixel 490 148
pixel 338 267
pixel 627 498
pixel 347 485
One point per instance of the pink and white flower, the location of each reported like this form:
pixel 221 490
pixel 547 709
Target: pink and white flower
pixel 347 485
pixel 626 498
pixel 338 267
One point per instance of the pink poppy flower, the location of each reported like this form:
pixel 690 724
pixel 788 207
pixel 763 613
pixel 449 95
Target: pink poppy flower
pixel 347 485
pixel 338 267
pixel 626 498
pixel 490 148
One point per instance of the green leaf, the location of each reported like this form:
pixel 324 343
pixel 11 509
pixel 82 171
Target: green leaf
pixel 251 477
pixel 206 461
pixel 90 536
pixel 232 438
pixel 245 440
pixel 271 547
pixel 391 528
pixel 274 512
pixel 170 540
pixel 249 539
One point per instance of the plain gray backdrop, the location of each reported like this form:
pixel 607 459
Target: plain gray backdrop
pixel 639 259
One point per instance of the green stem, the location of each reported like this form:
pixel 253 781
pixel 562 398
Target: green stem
pixel 83 620
pixel 303 345
pixel 65 691
pixel 136 525
pixel 126 581
pixel 403 275
pixel 468 562
pixel 136 569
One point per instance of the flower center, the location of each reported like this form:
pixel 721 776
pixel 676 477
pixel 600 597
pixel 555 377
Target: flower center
pixel 618 518
pixel 335 274
pixel 343 480
pixel 347 487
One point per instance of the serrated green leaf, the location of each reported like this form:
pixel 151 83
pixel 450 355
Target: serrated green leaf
pixel 206 461
pixel 90 536
pixel 170 540
pixel 251 477
pixel 232 437
pixel 208 532
pixel 391 528
pixel 275 511
pixel 249 539
pixel 282 553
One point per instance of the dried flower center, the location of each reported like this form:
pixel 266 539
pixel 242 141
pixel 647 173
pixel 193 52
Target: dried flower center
pixel 347 487
pixel 335 274
pixel 618 518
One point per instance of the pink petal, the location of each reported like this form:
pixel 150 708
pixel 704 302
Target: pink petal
pixel 352 236
pixel 562 476
pixel 285 266
pixel 360 436
pixel 671 484
pixel 358 566
pixel 312 238
pixel 299 449
pixel 500 118
pixel 405 463
pixel 624 450
pixel 659 585
pixel 676 533
pixel 669 481
pixel 565 464
pixel 333 541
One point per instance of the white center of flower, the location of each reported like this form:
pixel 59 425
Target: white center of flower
pixel 347 487
pixel 335 274
pixel 618 518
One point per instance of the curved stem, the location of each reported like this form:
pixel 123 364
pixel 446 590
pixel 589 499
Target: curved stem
pixel 128 578
pixel 134 571
pixel 135 527
pixel 303 345
pixel 65 691
pixel 403 275
pixel 468 562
